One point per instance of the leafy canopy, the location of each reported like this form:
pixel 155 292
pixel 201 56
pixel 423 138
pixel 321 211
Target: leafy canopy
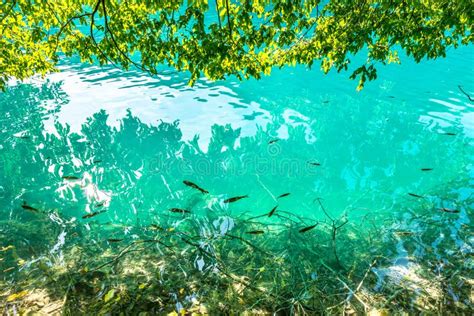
pixel 218 38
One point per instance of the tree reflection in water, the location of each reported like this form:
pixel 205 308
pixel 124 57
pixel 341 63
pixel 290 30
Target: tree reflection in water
pixel 99 229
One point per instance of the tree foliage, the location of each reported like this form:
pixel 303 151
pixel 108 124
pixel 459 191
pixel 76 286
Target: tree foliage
pixel 219 38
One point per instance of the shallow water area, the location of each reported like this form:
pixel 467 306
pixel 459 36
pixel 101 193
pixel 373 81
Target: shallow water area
pixel 114 184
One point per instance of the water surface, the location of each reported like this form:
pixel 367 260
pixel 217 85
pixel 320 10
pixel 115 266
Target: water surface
pixel 91 139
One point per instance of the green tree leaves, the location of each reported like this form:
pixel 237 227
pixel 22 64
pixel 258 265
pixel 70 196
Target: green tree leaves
pixel 219 38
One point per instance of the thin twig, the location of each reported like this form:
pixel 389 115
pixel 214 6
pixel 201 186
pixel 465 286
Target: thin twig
pixel 228 18
pixel 108 30
pixel 249 243
pixel 264 187
pixel 467 95
pixel 324 210
pixel 96 8
pixel 61 29
pixel 351 292
pixel 8 11
pixel 218 14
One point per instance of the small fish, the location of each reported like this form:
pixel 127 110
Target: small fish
pixel 99 204
pixel 283 195
pixel 448 210
pixel 195 186
pixel 450 134
pixel 313 163
pixel 236 198
pixel 155 227
pixel 415 195
pixel 70 178
pixel 178 210
pixel 391 97
pixel 112 240
pixel 426 169
pixel 112 225
pixel 92 214
pixel 29 208
pixel 97 161
pixel 404 233
pixel 326 101
pixel 8 269
pixel 23 136
pixel 272 211
pixel 305 229
pixel 255 232
pixel 273 141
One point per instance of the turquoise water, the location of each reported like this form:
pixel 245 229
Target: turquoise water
pixel 150 134
pixel 91 139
